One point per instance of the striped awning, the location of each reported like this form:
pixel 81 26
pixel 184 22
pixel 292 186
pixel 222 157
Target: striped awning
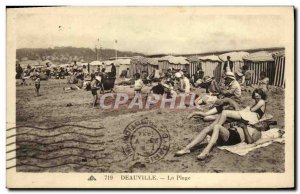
pixel 279 78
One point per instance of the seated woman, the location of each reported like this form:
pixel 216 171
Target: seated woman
pixel 219 106
pixel 225 136
pixel 252 115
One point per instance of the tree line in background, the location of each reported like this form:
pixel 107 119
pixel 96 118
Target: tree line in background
pixel 69 54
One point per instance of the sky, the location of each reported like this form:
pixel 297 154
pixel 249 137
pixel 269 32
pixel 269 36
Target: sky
pixel 148 30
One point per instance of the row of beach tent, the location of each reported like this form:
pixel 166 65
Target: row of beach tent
pixel 120 63
pixel 273 63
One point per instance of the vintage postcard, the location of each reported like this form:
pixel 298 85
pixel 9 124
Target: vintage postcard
pixel 150 97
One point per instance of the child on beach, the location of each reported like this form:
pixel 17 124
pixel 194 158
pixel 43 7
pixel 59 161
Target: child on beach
pixel 94 87
pixel 264 82
pixel 248 74
pixel 37 84
pixel 138 84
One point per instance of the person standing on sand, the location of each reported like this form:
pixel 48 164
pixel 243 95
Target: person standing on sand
pixel 228 65
pixel 37 84
pixel 138 84
pixel 95 87
pixel 19 71
pixel 127 73
pixel 88 67
pixel 113 70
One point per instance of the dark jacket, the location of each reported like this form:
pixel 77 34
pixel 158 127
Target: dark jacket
pixel 230 65
pixel 113 68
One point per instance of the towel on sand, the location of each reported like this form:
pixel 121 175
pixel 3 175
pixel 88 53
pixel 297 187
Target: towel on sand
pixel 267 138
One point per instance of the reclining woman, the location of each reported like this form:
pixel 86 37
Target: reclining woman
pixel 225 136
pixel 249 115
pixel 218 107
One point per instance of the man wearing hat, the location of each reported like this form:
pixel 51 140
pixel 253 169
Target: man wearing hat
pixel 234 88
pixel 185 85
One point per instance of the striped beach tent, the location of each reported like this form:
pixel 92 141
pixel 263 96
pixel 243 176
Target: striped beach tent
pixel 194 64
pixel 152 64
pixel 121 65
pixel 164 63
pixel 236 58
pixel 137 65
pixel 279 77
pixel 211 66
pixel 94 66
pixel 258 62
pixel 172 62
